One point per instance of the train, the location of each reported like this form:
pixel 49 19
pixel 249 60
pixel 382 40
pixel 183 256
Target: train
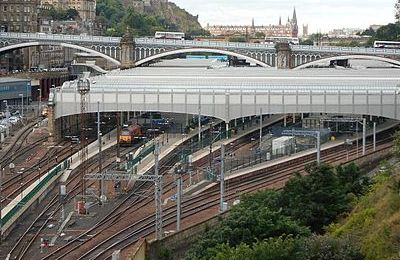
pixel 130 134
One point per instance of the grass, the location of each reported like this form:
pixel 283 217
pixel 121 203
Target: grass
pixel 375 221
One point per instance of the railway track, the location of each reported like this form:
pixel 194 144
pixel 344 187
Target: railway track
pixel 16 146
pixel 12 186
pixel 246 184
pixel 132 204
pixel 25 242
pixel 206 201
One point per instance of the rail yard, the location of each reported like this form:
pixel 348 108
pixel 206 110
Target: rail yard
pixel 55 229
pixel 165 151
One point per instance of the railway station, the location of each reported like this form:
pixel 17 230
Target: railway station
pixel 149 152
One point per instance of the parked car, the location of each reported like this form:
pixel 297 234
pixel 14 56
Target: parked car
pixel 14 119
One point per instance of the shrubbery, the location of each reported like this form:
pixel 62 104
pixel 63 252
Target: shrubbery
pixel 269 224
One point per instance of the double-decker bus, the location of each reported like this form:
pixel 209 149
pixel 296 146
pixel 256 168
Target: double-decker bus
pixel 387 44
pixel 276 39
pixel 170 35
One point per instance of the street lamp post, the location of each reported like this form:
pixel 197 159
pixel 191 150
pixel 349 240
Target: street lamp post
pixel 222 179
pixel 40 102
pixel 178 173
pixel 7 118
pixel 22 104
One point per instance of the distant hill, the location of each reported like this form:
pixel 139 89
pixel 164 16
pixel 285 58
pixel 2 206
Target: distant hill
pixel 114 16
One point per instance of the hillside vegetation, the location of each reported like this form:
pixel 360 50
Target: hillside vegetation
pixel 115 18
pixel 331 213
pixel 374 224
pixel 288 224
pixel 389 32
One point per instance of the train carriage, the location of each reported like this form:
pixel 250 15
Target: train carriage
pixel 130 134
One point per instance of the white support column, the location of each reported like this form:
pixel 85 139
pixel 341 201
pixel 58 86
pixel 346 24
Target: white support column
pixel 222 179
pixel 158 193
pixel 261 123
pixel 357 137
pixel 318 147
pixel 364 135
pixel 284 120
pixel 199 121
pixel 178 202
pixel 374 136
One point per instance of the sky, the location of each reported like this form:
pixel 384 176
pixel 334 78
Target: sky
pixel 320 15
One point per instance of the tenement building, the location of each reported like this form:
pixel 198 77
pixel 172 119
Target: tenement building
pixel 85 8
pixel 19 15
pixel 288 29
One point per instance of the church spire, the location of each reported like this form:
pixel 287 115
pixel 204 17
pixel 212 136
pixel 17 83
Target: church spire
pixel 252 23
pixel 280 20
pixel 294 19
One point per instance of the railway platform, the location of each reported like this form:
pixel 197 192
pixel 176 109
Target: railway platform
pixel 11 212
pixel 204 185
pixel 108 141
pixel 168 145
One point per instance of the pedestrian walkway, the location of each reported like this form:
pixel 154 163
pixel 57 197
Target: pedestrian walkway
pixel 166 147
pixel 217 145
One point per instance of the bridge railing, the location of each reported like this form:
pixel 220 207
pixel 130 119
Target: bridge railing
pixel 60 37
pixel 189 43
pixel 205 44
pixel 344 49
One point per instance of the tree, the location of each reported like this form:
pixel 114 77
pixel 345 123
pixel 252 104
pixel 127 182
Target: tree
pixel 271 249
pixel 237 39
pixel 71 14
pixel 296 248
pixel 331 248
pixel 255 218
pixel 306 42
pixel 315 200
pixel 396 147
pixel 260 35
pixel 352 179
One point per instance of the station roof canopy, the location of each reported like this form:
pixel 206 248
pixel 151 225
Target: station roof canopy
pixel 249 78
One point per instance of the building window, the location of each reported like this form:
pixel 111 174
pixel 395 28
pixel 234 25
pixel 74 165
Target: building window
pixel 5 8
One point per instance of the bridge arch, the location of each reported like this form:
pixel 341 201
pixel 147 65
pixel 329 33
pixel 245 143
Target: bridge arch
pixel 350 57
pixel 207 50
pixel 62 44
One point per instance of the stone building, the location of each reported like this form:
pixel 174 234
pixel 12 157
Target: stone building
pixel 19 15
pixel 289 29
pixel 85 8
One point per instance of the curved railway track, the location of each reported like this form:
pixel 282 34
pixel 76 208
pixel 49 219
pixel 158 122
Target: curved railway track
pixel 12 186
pixel 25 242
pixel 16 146
pixel 208 200
pixel 144 224
pixel 235 185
